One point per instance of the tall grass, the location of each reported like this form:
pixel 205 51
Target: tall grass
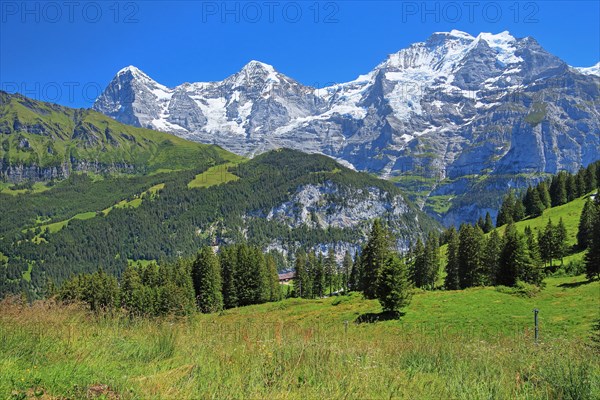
pixel 65 351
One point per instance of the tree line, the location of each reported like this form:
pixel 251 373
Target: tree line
pixel 588 236
pixel 560 189
pixel 237 275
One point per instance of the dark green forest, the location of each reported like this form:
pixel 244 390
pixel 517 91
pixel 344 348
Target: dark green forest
pixel 174 222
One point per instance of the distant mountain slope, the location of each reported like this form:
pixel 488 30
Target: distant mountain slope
pixel 40 141
pixel 452 110
pixel 145 195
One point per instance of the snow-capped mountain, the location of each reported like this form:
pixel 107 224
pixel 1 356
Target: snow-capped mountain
pixel 593 70
pixel 448 109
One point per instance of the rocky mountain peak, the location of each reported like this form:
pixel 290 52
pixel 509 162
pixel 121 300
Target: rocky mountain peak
pixel 453 106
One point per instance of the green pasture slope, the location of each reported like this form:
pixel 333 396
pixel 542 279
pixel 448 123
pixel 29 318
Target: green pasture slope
pixel 472 344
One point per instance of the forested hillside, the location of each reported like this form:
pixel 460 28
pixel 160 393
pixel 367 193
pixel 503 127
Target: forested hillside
pixel 44 141
pixel 81 225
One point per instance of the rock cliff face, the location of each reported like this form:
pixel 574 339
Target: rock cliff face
pixel 450 110
pixel 331 205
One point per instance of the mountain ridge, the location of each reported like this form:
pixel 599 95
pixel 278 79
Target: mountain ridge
pixel 452 107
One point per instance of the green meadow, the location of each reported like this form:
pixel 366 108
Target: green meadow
pixel 471 344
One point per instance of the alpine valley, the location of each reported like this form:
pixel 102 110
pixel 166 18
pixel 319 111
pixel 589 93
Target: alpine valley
pixel 455 121
pixel 80 190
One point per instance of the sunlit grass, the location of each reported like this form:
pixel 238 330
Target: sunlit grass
pixel 213 176
pixel 472 344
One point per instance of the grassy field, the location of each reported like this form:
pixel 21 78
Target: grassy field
pixel 37 187
pixel 474 344
pixel 214 176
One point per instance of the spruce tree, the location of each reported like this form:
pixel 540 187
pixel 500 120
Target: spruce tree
pixel 488 225
pixel 131 285
pixel 546 242
pixel 512 250
pixel 586 225
pixel 228 261
pixel 533 203
pixel 491 257
pixel 591 179
pixel 303 283
pixel 374 255
pixel 417 265
pixel 558 189
pixel 330 270
pixel 516 262
pixel 531 272
pixel 560 241
pixel 470 252
pixel 451 282
pixel 518 210
pixel 581 185
pixel 206 275
pixel 273 277
pixel 481 223
pixel 507 210
pixel 346 271
pixel 592 257
pixel 393 286
pixel 544 194
pixel 432 261
pixel 318 275
pixel 246 276
pixel 356 275
pixel 572 189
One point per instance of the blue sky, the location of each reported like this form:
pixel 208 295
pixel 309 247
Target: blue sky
pixel 66 53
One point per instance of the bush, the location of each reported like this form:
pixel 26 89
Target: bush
pixel 522 289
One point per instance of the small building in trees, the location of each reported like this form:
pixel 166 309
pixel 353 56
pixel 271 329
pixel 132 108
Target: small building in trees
pixel 286 277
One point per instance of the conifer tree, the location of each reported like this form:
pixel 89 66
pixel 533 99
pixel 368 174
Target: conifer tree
pixel 491 257
pixel 581 185
pixel 533 203
pixel 507 210
pixel 560 241
pixel 303 283
pixel 546 242
pixel 572 188
pixel 488 225
pixel 558 189
pixel 330 270
pixel 356 276
pixel 586 225
pixel 591 178
pixel 531 271
pixel 246 275
pixel 263 282
pixel 417 263
pixel 542 189
pixel 470 252
pixel 375 253
pixel 131 285
pixel 393 286
pixel 228 261
pixel 518 210
pixel 273 277
pixel 346 271
pixel 592 257
pixel 451 282
pixel 481 223
pixel 318 274
pixel 432 261
pixel 206 275
pixel 512 251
